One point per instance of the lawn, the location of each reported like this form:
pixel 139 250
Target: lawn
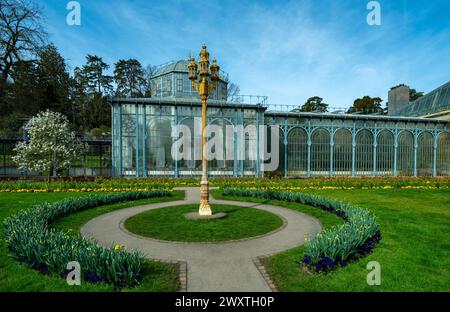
pixel 15 276
pixel 170 224
pixel 413 253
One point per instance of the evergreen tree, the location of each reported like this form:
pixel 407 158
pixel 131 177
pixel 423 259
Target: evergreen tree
pixel 97 80
pixel 314 104
pixel 129 77
pixel 54 81
pixel 366 105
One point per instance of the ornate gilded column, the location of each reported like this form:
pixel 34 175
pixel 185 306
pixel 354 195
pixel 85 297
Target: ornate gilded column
pixel 204 86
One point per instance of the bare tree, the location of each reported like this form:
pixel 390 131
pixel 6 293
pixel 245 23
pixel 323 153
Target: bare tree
pixel 149 72
pixel 21 35
pixel 233 92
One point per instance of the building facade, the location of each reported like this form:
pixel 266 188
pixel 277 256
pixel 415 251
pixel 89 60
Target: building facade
pixel 309 144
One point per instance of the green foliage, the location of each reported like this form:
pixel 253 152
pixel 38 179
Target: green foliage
pixel 129 77
pixel 366 105
pixel 54 81
pixel 413 94
pixel 94 73
pixel 41 84
pixel 337 243
pixel 314 104
pixel 331 183
pixel 31 241
pixel 99 184
pixel 96 132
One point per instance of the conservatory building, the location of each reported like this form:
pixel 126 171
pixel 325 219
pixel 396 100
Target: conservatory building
pixel 305 144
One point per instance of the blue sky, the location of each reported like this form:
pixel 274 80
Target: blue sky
pixel 287 50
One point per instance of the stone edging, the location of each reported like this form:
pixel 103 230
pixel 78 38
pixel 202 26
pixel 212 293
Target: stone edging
pixel 182 275
pixel 182 272
pixel 258 261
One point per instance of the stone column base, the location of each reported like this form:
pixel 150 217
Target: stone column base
pixel 205 208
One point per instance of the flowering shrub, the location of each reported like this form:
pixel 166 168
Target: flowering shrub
pixel 337 245
pixel 30 240
pixel 51 144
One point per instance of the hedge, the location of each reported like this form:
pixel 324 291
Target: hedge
pixel 30 240
pixel 337 245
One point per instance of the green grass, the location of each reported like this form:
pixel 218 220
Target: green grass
pixel 413 253
pixel 15 276
pixel 77 220
pixel 170 224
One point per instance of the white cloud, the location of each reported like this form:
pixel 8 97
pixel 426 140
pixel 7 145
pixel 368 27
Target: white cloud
pixel 286 50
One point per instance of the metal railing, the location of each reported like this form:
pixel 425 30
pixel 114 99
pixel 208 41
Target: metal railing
pixel 285 108
pixel 95 162
pixel 248 99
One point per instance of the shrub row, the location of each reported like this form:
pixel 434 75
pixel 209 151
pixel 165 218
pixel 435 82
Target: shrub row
pixel 337 245
pixel 30 240
pixel 100 185
pixel 333 183
pixel 120 184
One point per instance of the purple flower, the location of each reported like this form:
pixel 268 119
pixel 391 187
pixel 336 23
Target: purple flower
pixel 329 262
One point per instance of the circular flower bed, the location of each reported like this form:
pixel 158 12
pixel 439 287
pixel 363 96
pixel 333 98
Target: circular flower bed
pixel 170 223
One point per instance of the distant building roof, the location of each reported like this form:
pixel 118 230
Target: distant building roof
pixel 431 103
pixel 175 66
pixel 181 66
pixel 436 101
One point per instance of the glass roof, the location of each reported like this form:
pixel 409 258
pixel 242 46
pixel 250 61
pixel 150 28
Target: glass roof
pixel 181 66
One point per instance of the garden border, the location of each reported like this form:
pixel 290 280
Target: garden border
pixel 34 222
pixel 259 263
pixel 328 249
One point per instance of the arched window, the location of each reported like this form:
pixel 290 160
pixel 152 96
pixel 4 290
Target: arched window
pixel 443 154
pixel 281 162
pixel 385 153
pixel 320 152
pixel 297 152
pixel 222 165
pixel 364 153
pixel 425 156
pixel 250 133
pixel 342 153
pixel 195 162
pixel 128 142
pixel 405 154
pixel 158 145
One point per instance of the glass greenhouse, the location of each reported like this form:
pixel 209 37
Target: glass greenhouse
pixel 309 144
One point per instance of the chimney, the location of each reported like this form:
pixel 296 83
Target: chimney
pixel 398 98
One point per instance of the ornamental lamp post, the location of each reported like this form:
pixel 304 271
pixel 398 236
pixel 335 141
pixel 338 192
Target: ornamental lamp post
pixel 199 76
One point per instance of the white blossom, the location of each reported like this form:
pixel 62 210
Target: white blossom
pixel 51 143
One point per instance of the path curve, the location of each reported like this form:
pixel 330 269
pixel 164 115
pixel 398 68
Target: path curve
pixel 222 266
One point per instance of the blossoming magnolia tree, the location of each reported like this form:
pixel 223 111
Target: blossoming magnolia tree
pixel 52 146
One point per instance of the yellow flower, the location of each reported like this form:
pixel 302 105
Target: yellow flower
pixel 116 248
